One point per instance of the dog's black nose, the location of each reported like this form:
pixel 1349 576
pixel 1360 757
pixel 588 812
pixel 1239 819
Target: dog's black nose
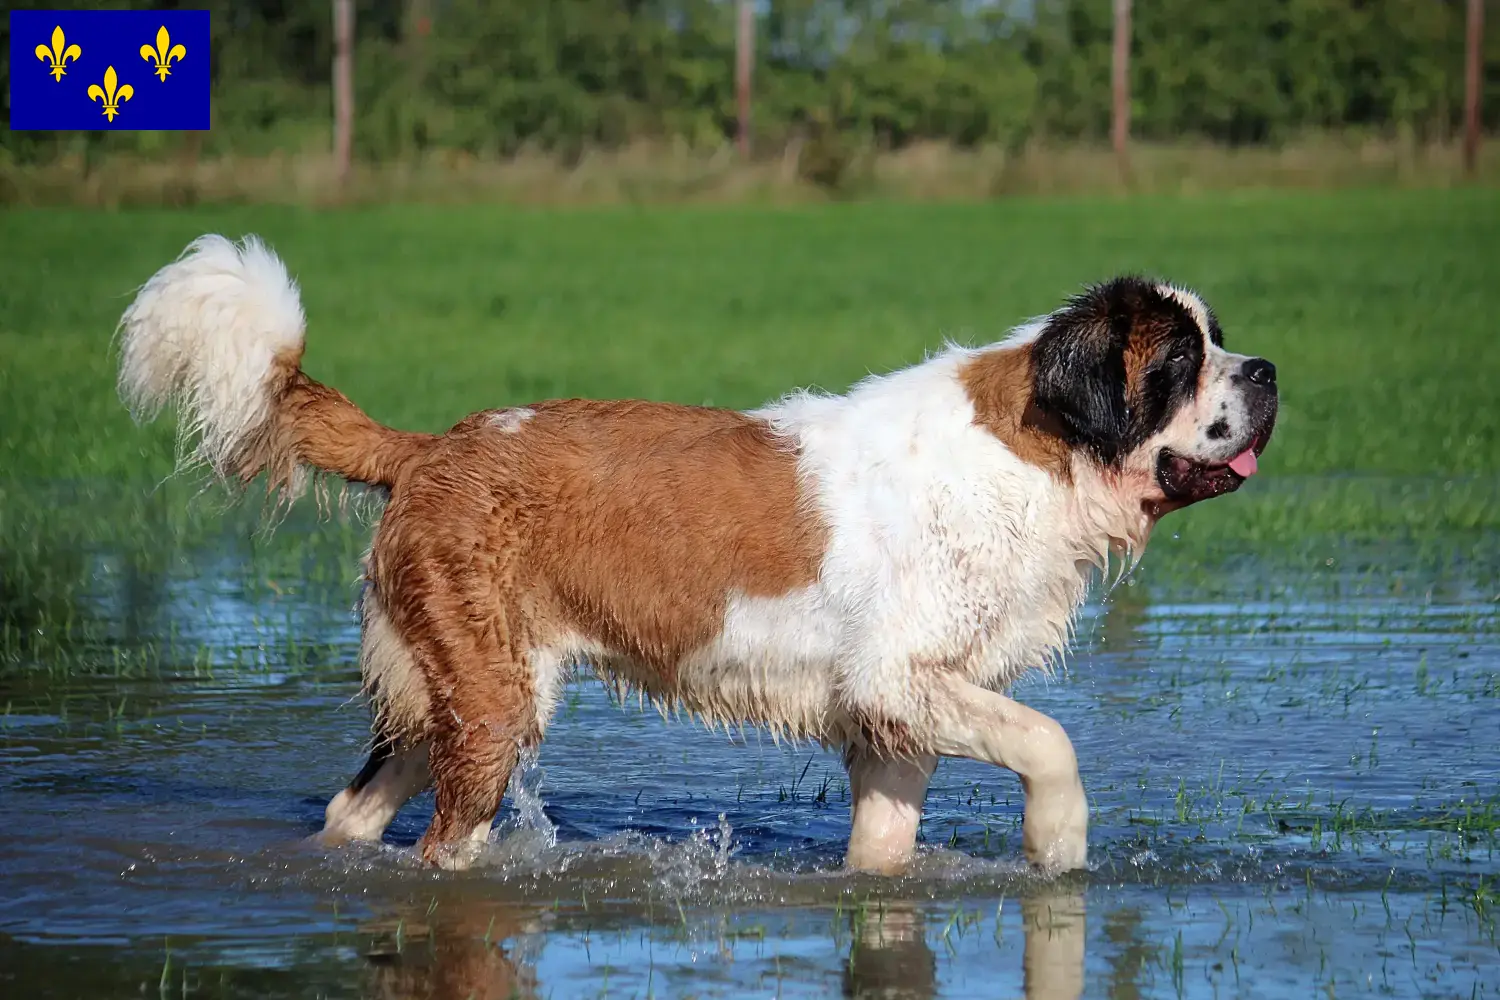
pixel 1260 371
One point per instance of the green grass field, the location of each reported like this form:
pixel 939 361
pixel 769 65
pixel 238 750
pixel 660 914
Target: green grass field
pixel 1378 308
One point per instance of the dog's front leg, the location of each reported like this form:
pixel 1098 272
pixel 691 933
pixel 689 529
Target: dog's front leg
pixel 969 721
pixel 886 795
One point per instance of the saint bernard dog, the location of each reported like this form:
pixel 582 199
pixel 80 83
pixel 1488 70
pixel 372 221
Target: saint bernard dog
pixel 869 570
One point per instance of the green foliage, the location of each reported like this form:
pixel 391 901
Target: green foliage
pixel 488 77
pixel 491 77
pixel 1253 72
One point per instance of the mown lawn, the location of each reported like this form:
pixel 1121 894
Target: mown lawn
pixel 1379 309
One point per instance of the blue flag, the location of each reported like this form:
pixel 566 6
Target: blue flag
pixel 126 70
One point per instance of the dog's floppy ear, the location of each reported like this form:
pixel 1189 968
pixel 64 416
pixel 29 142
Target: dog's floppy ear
pixel 1079 376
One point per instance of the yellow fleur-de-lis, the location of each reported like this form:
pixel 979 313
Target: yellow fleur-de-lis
pixel 109 95
pixel 164 53
pixel 59 54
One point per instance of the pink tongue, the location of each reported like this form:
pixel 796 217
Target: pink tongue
pixel 1244 463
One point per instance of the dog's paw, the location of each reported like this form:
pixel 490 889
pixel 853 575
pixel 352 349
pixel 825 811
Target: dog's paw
pixel 1055 829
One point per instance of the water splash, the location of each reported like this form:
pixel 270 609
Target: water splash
pixel 527 831
pixel 721 858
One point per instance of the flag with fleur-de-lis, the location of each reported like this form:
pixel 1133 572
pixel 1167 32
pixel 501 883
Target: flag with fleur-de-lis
pixel 127 70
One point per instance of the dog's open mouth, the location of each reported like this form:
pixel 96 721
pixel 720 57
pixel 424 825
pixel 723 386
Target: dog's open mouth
pixel 1185 480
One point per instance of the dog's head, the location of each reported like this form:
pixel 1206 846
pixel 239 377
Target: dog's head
pixel 1134 374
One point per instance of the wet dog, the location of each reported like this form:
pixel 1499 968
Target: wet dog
pixel 869 570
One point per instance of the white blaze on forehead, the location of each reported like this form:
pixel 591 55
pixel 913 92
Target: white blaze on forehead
pixel 1190 301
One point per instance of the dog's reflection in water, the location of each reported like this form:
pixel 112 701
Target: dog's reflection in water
pixel 1054 945
pixel 889 955
pixel 459 949
pixel 891 958
pixel 466 948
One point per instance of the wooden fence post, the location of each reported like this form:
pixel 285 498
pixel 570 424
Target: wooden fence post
pixel 744 61
pixel 343 89
pixel 1473 80
pixel 1119 129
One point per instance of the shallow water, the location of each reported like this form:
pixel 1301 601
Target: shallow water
pixel 1292 758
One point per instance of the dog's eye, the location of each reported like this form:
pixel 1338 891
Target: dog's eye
pixel 1179 359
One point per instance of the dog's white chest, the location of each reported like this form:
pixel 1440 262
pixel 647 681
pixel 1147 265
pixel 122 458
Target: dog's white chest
pixel 944 546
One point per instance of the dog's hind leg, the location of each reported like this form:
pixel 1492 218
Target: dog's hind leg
pixel 480 724
pixel 446 568
pixel 387 782
pixel 471 763
pixel 397 768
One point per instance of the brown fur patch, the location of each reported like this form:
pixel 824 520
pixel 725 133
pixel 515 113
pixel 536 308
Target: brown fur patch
pixel 999 385
pixel 666 510
pixel 312 424
pixel 628 525
pixel 1149 334
pixel 323 428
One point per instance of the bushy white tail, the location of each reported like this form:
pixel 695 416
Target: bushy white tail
pixel 219 333
pixel 211 332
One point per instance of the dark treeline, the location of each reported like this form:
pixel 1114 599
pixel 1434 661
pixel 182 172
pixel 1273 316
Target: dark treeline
pixel 493 76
